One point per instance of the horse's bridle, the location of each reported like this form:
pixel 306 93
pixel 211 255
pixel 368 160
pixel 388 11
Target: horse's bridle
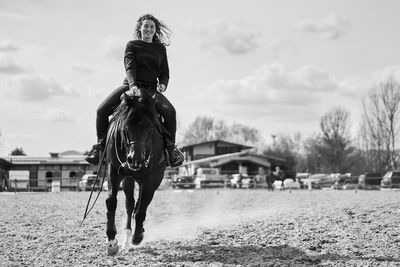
pixel 129 144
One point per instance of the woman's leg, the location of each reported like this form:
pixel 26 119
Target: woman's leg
pixel 105 109
pixel 167 111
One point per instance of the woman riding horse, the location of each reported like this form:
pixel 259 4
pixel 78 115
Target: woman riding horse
pixel 146 67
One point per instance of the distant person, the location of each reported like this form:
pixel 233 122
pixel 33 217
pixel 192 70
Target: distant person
pixel 240 178
pixel 146 66
pixel 280 175
pixel 270 179
pixel 257 180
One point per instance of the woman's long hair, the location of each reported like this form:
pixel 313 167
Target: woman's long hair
pixel 163 33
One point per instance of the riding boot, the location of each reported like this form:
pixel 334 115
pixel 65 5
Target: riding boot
pixel 94 154
pixel 174 155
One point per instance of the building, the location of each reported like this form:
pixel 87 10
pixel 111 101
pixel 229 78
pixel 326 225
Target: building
pixel 4 169
pixel 36 172
pixel 211 148
pixel 229 157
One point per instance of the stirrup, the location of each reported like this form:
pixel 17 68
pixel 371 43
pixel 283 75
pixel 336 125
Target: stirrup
pixel 94 155
pixel 174 156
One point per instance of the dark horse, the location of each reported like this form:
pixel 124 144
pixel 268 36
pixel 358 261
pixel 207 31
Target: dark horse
pixel 135 154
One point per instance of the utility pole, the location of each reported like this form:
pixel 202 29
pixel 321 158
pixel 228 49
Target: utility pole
pixel 273 141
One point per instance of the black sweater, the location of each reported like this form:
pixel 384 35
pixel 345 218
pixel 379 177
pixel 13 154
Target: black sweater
pixel 146 64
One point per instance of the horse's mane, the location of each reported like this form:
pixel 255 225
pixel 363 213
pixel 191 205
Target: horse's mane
pixel 123 114
pixel 128 110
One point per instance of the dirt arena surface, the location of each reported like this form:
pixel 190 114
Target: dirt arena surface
pixel 224 227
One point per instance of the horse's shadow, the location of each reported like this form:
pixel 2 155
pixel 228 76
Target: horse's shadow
pixel 243 255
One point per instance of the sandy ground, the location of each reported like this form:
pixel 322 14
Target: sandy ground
pixel 225 227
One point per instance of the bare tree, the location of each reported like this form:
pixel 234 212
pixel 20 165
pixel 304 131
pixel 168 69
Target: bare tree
pixel 243 134
pixel 334 146
pixel 199 131
pixel 288 147
pixel 310 159
pixel 18 151
pixel 381 121
pixel 208 129
pixel 372 156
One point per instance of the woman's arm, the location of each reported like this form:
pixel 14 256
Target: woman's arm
pixel 130 64
pixel 163 78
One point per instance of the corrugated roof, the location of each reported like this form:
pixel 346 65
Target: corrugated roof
pixel 242 155
pixel 5 162
pixel 24 160
pixel 214 141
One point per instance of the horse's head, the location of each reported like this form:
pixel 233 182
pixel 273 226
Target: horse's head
pixel 137 128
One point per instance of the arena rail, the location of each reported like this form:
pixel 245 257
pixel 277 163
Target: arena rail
pixel 31 185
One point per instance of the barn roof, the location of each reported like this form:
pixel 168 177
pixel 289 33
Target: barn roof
pixel 214 142
pixel 245 155
pixel 53 159
pixel 6 163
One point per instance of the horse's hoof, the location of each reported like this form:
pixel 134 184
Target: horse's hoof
pixel 112 247
pixel 137 236
pixel 127 238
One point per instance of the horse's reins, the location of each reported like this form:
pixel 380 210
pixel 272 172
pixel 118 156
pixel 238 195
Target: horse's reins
pixel 94 184
pixel 102 181
pixel 121 164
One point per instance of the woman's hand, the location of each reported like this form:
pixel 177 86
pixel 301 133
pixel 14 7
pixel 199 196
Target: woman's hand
pixel 130 93
pixel 161 88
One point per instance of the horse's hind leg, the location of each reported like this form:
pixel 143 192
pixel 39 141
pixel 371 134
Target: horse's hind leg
pixel 111 203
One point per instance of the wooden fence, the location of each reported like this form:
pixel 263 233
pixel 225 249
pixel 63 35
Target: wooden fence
pixel 37 185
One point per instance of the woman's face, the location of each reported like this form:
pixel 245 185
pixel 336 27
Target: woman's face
pixel 147 30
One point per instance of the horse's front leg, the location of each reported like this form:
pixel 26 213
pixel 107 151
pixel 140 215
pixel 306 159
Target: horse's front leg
pixel 111 203
pixel 129 188
pixel 146 194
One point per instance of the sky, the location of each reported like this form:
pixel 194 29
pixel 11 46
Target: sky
pixel 275 65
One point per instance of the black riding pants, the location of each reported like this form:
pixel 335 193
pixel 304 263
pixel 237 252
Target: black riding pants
pixel 107 107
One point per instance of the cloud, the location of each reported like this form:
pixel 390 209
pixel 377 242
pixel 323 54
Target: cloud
pixel 114 47
pixel 58 115
pixel 272 98
pixel 15 136
pixel 385 74
pixel 273 85
pixel 358 87
pixel 10 66
pixel 231 38
pixel 280 47
pixel 331 27
pixel 82 69
pixel 34 87
pixel 9 141
pixel 8 46
pixel 13 16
